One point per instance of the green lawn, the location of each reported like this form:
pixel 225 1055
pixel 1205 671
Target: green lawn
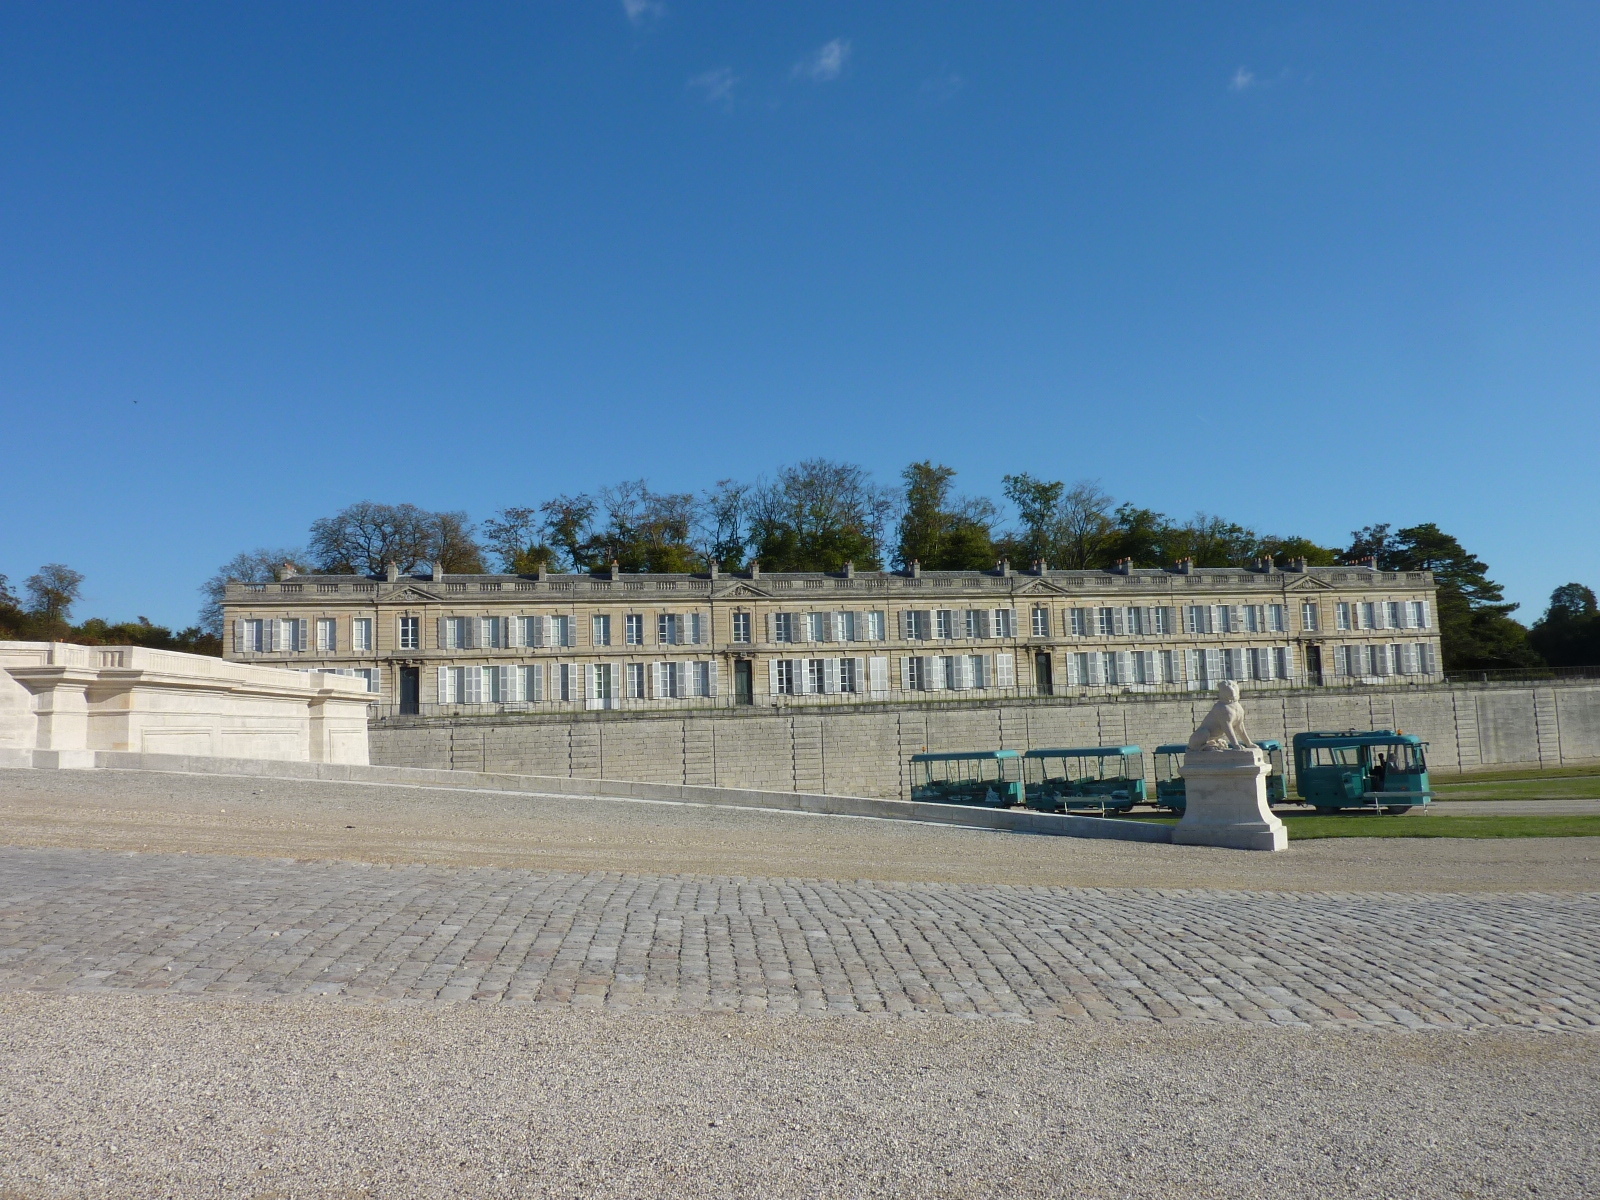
pixel 1431 825
pixel 1421 824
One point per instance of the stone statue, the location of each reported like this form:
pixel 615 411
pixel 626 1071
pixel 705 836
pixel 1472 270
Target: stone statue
pixel 1225 784
pixel 1223 727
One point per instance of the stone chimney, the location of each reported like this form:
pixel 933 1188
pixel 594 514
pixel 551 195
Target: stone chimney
pixel 1186 566
pixel 1004 567
pixel 916 568
pixel 713 568
pixel 391 572
pixel 289 571
pixel 616 569
pixel 849 570
pixel 755 568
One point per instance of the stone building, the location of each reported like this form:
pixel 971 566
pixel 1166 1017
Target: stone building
pixel 486 643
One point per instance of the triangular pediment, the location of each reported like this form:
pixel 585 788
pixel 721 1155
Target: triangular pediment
pixel 1034 587
pixel 1309 583
pixel 743 591
pixel 414 594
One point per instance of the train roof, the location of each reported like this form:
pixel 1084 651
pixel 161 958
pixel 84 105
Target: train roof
pixel 1085 752
pixel 1354 737
pixel 1183 748
pixel 959 755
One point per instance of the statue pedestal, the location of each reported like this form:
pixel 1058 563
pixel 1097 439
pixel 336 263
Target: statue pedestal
pixel 1226 802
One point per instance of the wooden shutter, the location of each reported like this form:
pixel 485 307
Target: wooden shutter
pixel 1124 667
pixel 772 633
pixel 442 688
pixel 240 646
pixel 1119 622
pixel 772 674
pixel 1074 673
pixel 1005 669
pixel 830 675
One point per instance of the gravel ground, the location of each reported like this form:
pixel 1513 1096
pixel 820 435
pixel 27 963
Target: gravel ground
pixel 1515 808
pixel 136 811
pixel 131 1096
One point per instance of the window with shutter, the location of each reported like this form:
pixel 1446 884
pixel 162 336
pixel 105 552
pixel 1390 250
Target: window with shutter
pixel 772 676
pixel 830 676
pixel 878 675
pixel 1077 669
pixel 442 687
pixel 1005 669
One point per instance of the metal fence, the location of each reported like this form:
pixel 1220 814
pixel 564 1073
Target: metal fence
pixel 946 697
pixel 1522 674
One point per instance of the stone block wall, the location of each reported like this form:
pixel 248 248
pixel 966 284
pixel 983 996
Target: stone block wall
pixel 862 751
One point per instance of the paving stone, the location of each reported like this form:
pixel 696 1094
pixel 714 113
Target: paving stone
pixel 73 920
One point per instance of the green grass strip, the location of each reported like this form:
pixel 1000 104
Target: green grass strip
pixel 1425 825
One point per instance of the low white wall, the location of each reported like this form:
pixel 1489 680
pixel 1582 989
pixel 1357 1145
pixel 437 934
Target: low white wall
pixel 60 703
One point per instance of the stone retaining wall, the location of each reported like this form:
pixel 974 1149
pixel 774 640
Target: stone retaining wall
pixel 862 750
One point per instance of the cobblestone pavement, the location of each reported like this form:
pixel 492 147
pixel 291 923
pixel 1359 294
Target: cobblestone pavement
pixel 93 921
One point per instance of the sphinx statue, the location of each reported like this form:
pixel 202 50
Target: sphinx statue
pixel 1223 727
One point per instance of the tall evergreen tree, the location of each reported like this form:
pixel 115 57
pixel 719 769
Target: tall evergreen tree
pixel 1476 630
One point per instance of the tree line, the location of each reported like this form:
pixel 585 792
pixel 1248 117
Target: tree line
pixel 819 515
pixel 43 613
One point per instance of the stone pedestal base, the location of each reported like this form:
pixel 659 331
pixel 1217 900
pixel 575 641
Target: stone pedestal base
pixel 1225 798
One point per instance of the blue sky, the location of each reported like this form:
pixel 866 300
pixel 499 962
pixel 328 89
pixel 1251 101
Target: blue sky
pixel 1309 266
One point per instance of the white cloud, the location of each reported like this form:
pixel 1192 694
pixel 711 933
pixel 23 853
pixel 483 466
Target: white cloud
pixel 715 86
pixel 826 64
pixel 641 12
pixel 1242 78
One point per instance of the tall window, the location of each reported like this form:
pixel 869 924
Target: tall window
pixel 327 634
pixel 410 633
pixel 875 622
pixel 1369 615
pixel 361 633
pixel 1343 618
pixel 944 623
pixel 1276 618
pixel 741 627
pixel 1396 615
pixel 1136 623
pixel 600 632
pixel 846 624
pixel 1252 618
pixel 816 676
pixel 1041 622
pixel 1197 618
pixel 916 674
pixel 817 626
pixel 847 676
pixel 916 625
pixel 635 680
pixel 1419 615
pixel 634 625
pixel 1003 627
pixel 1308 617
pixel 1163 620
pixel 786 677
pixel 667 629
pixel 783 627
pixel 561 631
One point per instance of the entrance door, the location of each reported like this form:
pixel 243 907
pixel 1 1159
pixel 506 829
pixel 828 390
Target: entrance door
pixel 410 691
pixel 1314 665
pixel 743 682
pixel 1042 677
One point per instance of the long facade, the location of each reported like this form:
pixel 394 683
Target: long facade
pixel 487 643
